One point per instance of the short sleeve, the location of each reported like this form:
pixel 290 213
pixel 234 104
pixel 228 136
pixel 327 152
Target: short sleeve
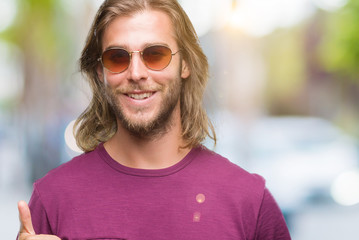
pixel 38 214
pixel 270 223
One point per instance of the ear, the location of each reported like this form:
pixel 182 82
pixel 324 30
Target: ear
pixel 99 70
pixel 185 72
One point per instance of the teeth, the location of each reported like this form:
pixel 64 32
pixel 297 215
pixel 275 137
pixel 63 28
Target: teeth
pixel 140 96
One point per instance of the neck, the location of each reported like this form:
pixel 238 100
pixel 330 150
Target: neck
pixel 148 153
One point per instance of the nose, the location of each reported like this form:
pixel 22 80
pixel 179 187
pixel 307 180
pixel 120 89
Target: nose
pixel 137 70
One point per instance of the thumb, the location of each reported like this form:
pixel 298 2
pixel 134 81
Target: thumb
pixel 25 218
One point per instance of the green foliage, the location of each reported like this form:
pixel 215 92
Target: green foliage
pixel 284 52
pixel 37 30
pixel 339 51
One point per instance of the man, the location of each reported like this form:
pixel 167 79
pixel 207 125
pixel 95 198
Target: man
pixel 145 174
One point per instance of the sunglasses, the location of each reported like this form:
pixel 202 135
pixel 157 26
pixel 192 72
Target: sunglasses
pixel 117 60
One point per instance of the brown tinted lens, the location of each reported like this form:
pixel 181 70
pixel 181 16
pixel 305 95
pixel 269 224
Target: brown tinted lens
pixel 116 60
pixel 157 57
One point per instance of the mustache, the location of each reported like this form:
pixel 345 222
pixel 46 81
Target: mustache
pixel 137 87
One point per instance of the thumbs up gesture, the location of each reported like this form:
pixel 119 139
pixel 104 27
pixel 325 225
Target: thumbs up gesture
pixel 27 231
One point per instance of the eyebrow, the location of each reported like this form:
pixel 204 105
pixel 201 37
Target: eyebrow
pixel 126 47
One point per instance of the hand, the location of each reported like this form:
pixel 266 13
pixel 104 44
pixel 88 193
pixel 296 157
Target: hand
pixel 27 231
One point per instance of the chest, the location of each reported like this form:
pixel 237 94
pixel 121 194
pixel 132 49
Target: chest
pixel 149 209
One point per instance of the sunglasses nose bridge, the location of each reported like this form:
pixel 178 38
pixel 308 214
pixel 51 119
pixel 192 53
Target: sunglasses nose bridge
pixel 137 65
pixel 141 56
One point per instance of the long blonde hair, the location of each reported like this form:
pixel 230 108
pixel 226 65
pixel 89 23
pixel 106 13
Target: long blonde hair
pixel 98 122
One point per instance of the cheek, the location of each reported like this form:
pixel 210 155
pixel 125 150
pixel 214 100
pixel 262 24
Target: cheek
pixel 112 80
pixel 161 77
pixel 168 75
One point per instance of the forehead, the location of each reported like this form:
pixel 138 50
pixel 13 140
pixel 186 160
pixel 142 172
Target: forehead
pixel 139 30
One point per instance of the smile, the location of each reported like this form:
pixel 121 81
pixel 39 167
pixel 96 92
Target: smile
pixel 140 96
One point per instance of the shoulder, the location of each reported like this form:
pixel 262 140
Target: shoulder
pixel 237 192
pixel 226 173
pixel 224 167
pixel 77 168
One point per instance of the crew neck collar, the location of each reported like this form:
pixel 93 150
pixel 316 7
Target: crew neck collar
pixel 147 172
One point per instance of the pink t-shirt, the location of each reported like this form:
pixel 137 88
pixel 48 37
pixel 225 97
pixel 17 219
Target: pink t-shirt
pixel 202 197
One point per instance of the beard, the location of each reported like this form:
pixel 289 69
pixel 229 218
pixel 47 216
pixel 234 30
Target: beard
pixel 158 125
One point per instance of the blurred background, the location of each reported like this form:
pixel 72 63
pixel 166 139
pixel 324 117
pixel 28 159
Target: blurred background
pixel 283 95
